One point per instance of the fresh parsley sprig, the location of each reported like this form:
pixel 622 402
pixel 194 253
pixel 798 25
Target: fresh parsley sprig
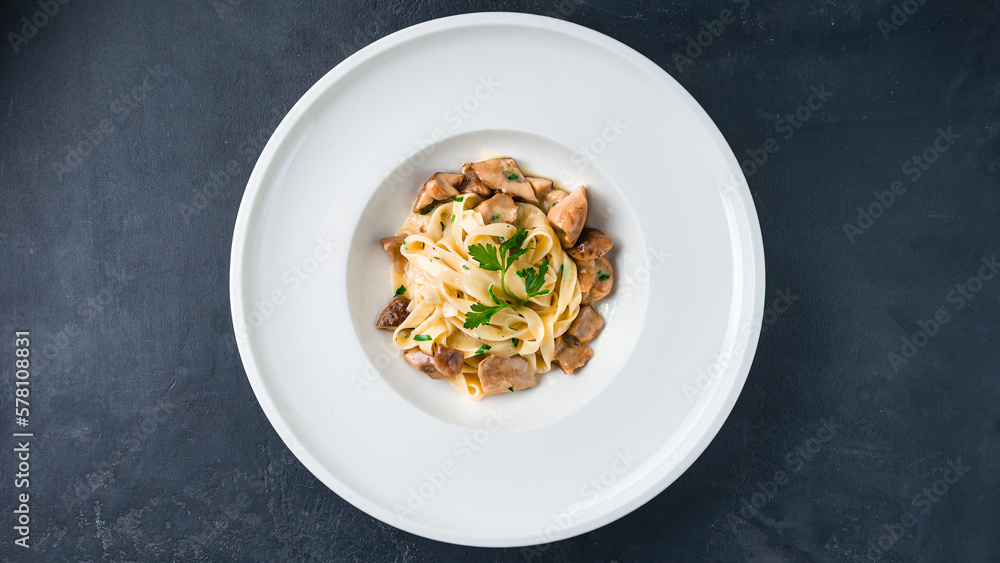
pixel 500 259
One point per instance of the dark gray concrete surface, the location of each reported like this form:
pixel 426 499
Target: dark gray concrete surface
pixel 149 444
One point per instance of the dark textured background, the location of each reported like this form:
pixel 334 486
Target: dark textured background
pixel 149 444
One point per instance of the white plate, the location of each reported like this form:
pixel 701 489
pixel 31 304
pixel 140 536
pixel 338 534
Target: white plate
pixel 308 280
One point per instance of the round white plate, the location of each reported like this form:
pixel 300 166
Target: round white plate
pixel 308 279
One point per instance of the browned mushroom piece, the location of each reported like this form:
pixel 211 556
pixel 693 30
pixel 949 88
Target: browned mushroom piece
pixel 541 186
pixel 498 373
pixel 498 209
pixel 394 313
pixel 472 183
pixel 391 246
pixel 593 243
pixel 504 175
pixel 570 354
pixel 585 274
pixel 438 187
pixel 604 278
pixel 448 361
pixel 552 198
pixel 569 216
pixel 586 325
pixel 422 361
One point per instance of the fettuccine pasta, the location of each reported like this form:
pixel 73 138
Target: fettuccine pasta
pixel 453 310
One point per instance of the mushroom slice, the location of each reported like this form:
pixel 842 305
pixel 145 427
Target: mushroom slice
pixel 570 354
pixel 569 217
pixel 391 246
pixel 586 325
pixel 593 243
pixel 552 198
pixel 604 278
pixel 420 360
pixel 394 313
pixel 541 186
pixel 448 361
pixel 438 187
pixel 498 209
pixel 585 274
pixel 504 175
pixel 472 183
pixel 498 373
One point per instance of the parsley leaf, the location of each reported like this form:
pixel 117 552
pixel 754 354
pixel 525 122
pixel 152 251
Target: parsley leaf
pixel 464 267
pixel 422 337
pixel 515 341
pixel 511 389
pixel 495 259
pixel 601 275
pixel 482 349
pixel 535 279
pixel 401 290
pixel 460 198
pixel 486 255
pixel 427 209
pixel 480 315
pixel 512 176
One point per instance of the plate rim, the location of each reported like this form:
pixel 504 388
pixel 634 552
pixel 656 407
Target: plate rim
pixel 265 167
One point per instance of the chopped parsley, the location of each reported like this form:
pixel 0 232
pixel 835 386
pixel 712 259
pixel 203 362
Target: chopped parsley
pixel 601 275
pixel 495 259
pixel 483 348
pixel 515 341
pixel 422 337
pixel 512 176
pixel 401 290
pixel 427 209
pixel 511 389
pixel 464 267
pixel 452 217
pixel 496 216
pixel 460 198
pixel 442 225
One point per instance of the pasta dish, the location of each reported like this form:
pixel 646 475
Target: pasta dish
pixel 494 273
